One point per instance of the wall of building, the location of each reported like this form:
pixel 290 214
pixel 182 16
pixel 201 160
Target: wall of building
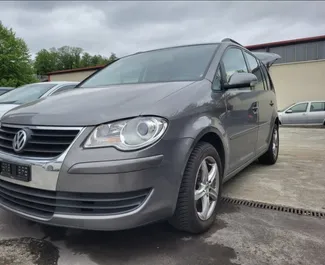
pixel 299 52
pixel 74 76
pixel 298 81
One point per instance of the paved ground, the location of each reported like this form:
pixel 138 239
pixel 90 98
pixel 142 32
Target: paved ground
pixel 297 179
pixel 240 236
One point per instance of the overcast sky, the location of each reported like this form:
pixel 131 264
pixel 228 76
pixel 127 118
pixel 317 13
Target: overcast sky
pixel 126 27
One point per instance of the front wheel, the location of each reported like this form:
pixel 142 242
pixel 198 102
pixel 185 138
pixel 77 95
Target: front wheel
pixel 200 191
pixel 271 155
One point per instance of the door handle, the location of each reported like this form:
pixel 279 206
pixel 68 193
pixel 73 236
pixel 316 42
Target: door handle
pixel 271 103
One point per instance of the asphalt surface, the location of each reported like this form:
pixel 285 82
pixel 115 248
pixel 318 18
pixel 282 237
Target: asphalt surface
pixel 241 235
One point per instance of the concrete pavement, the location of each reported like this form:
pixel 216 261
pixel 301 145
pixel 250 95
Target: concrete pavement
pixel 296 180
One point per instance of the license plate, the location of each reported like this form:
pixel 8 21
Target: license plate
pixel 15 171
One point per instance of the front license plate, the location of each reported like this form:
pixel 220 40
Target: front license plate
pixel 15 171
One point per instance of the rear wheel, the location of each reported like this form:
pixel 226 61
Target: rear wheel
pixel 271 156
pixel 200 191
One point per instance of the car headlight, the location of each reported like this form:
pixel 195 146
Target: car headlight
pixel 129 134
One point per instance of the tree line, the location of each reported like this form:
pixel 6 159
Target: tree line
pixel 67 57
pixel 17 67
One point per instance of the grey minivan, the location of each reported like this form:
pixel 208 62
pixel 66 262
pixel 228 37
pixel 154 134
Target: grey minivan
pixel 153 136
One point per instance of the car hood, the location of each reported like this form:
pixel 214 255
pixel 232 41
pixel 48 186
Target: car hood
pixel 6 107
pixel 92 106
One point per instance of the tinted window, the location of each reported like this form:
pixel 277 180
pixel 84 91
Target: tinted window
pixel 266 77
pixel 317 106
pixel 26 93
pixel 63 88
pixel 188 63
pixel 302 107
pixel 255 69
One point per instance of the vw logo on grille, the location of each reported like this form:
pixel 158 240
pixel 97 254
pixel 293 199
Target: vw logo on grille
pixel 19 141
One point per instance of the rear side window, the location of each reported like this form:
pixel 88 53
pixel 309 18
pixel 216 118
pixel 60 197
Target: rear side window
pixel 233 61
pixel 317 106
pixel 266 77
pixel 255 69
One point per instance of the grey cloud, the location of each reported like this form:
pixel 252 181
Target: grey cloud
pixel 126 27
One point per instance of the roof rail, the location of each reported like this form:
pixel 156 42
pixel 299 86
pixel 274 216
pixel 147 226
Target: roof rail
pixel 231 40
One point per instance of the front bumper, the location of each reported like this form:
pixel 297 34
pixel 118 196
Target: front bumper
pixel 98 194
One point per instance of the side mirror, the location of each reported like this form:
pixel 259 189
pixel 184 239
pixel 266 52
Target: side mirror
pixel 289 111
pixel 240 80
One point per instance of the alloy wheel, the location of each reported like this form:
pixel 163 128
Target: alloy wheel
pixel 206 188
pixel 275 142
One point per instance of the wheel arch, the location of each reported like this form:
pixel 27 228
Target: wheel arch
pixel 217 139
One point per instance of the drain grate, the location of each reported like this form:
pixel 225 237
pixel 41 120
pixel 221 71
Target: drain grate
pixel 274 207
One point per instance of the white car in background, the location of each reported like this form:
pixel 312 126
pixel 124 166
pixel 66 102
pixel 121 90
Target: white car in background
pixel 28 93
pixel 303 113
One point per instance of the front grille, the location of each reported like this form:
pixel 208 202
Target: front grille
pixel 44 143
pixel 43 203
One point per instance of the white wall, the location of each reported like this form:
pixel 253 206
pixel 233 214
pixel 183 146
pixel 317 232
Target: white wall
pixel 74 76
pixel 298 82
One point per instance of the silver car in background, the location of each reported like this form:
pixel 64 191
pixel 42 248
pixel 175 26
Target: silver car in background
pixel 303 113
pixel 31 92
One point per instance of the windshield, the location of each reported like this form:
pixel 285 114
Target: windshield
pixel 187 63
pixel 25 94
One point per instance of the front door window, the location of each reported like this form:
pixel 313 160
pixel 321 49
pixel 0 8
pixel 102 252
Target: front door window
pixel 302 107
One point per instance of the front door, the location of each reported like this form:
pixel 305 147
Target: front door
pixel 240 119
pixel 297 114
pixel 266 102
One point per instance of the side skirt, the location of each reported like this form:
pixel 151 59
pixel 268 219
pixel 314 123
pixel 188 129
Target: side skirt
pixel 236 171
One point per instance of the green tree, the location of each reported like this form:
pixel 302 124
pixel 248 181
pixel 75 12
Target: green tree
pixel 85 60
pixel 67 57
pixel 112 58
pixel 45 61
pixel 15 62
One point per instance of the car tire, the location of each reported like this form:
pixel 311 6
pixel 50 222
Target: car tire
pixel 191 214
pixel 271 155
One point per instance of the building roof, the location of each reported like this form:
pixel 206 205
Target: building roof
pixel 90 68
pixel 250 47
pixel 285 42
pixel 58 82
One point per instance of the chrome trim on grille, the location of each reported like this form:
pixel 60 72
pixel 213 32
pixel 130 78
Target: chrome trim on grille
pixel 44 203
pixel 40 143
pixel 44 172
pixel 40 127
